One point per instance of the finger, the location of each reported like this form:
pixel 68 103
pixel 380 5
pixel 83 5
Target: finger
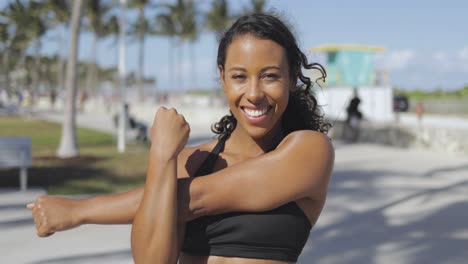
pixel 43 231
pixel 30 206
pixel 183 118
pixel 49 234
pixel 37 222
pixel 37 213
pixel 161 109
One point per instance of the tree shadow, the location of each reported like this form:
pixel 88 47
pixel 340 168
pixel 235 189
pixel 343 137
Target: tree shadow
pixel 52 171
pixel 370 236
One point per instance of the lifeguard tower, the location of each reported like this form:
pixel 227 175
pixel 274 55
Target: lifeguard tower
pixel 349 67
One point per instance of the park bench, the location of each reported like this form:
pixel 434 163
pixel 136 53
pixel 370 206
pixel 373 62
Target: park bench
pixel 15 152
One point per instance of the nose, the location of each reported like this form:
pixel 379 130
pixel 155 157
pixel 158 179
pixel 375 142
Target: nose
pixel 254 92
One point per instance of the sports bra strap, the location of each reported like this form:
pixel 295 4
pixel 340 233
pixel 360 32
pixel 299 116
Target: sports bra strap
pixel 209 163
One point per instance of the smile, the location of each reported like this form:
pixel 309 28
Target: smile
pixel 255 113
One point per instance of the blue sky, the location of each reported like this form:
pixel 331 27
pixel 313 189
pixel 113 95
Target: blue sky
pixel 426 41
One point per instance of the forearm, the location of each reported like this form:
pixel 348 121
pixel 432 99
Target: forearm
pixel 121 208
pixel 154 230
pixel 117 208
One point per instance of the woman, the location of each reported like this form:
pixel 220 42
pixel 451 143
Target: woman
pixel 264 180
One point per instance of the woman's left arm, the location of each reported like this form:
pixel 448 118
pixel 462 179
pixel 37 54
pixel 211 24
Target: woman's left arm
pixel 155 235
pixel 300 167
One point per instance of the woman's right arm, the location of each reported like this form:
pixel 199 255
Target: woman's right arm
pixel 54 213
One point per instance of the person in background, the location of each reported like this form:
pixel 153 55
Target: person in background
pixel 419 111
pixel 353 118
pixel 133 123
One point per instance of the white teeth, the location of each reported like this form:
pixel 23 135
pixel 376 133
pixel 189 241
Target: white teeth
pixel 256 113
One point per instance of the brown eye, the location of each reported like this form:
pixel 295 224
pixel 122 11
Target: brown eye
pixel 238 77
pixel 271 76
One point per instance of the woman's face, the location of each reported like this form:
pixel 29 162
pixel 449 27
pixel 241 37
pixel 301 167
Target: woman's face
pixel 256 82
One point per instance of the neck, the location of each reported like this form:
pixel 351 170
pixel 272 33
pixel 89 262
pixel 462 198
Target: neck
pixel 240 142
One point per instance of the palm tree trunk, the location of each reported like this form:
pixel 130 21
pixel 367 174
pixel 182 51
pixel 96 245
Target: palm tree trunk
pixel 171 64
pixel 35 81
pixel 193 63
pixel 21 84
pixel 68 147
pixel 90 79
pixel 141 53
pixel 6 67
pixel 61 61
pixel 181 67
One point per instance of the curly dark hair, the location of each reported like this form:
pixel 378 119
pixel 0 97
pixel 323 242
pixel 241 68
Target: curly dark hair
pixel 302 111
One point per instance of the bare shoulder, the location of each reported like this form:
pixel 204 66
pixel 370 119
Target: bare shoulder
pixel 313 156
pixel 190 158
pixel 313 141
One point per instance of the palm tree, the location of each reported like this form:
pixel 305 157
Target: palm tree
pixel 68 146
pixel 60 16
pixel 190 31
pixel 5 39
pixel 178 21
pixel 16 18
pixel 36 30
pixel 112 29
pixel 218 18
pixel 165 25
pixel 95 11
pixel 140 28
pixel 256 6
pixel 49 76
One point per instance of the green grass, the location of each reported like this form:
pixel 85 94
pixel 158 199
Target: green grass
pixel 98 169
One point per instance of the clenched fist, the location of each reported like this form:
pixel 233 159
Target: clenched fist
pixel 169 133
pixel 52 214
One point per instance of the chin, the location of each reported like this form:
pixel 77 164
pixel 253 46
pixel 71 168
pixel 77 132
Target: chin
pixel 257 132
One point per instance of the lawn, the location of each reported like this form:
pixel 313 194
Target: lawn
pixel 98 169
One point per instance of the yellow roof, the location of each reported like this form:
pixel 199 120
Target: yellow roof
pixel 351 47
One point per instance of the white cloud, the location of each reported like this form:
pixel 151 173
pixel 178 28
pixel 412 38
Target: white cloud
pixel 440 56
pixel 463 54
pixel 452 61
pixel 395 60
pixel 443 60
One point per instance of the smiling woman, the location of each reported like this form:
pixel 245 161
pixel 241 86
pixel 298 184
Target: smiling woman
pixel 252 195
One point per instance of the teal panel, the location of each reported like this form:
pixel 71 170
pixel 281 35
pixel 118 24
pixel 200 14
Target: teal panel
pixel 351 68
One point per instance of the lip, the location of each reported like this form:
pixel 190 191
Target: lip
pixel 259 119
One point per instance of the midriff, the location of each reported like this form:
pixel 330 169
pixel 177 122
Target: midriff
pixel 187 259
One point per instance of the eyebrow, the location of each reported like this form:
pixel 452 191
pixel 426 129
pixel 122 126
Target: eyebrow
pixel 236 69
pixel 264 69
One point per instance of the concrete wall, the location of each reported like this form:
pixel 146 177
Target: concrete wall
pixel 376 102
pixel 438 139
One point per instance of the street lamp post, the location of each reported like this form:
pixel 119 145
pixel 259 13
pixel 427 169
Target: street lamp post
pixel 123 113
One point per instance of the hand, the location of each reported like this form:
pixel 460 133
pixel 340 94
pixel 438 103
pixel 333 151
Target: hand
pixel 169 133
pixel 52 214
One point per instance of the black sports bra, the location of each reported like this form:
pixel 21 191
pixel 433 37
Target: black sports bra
pixel 278 234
